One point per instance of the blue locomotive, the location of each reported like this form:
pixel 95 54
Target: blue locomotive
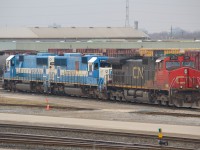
pixel 71 74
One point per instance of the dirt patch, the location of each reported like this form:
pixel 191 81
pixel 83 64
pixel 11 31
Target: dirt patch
pixel 14 102
pixel 51 105
pixel 168 114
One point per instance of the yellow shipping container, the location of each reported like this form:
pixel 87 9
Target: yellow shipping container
pixel 158 51
pixel 191 49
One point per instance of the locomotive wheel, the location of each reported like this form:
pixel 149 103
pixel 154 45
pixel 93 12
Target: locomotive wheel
pixel 38 89
pixel 10 86
pixel 178 103
pixel 165 103
pixel 196 104
pixel 14 87
pixel 5 85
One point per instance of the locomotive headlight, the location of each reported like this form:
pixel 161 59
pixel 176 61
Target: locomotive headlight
pixel 181 87
pixel 185 71
pixel 197 86
pixel 166 85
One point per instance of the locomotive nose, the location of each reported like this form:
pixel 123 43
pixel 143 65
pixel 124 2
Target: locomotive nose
pixel 186 78
pixel 191 78
pixel 186 71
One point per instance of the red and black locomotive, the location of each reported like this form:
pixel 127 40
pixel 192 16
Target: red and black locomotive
pixel 166 80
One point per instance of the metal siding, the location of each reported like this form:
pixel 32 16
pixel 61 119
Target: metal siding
pixel 44 46
pixel 7 45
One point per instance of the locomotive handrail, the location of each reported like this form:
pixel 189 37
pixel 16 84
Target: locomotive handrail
pixel 198 80
pixel 171 86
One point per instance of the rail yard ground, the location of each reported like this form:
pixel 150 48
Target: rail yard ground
pixel 83 108
pixel 62 106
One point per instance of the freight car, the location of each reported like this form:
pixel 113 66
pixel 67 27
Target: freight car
pixel 17 51
pixel 99 51
pixel 196 54
pixel 166 80
pixel 158 52
pixel 113 52
pixel 2 63
pixel 60 51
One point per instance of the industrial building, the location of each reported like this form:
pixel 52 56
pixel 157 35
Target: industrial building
pixel 44 38
pixel 64 34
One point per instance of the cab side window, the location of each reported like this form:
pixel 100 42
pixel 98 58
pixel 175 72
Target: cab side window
pixel 12 63
pixel 96 66
pixel 159 65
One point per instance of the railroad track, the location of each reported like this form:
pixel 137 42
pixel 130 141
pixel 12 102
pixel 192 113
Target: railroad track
pixel 1 82
pixel 77 142
pixel 90 142
pixel 120 102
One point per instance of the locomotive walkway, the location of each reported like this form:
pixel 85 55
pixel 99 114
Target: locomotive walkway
pixel 103 125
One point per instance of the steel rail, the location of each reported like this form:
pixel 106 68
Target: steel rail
pixel 121 102
pixel 78 142
pixel 108 133
pixel 1 81
pixel 152 136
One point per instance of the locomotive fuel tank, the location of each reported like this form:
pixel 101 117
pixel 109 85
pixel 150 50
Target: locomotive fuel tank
pixel 136 93
pixel 131 92
pixel 74 91
pixel 23 87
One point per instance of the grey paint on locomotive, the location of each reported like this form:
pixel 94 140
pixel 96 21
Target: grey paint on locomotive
pixel 134 72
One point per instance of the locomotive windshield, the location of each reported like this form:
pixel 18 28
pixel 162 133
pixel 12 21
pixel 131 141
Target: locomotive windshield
pixel 188 64
pixel 105 64
pixel 172 64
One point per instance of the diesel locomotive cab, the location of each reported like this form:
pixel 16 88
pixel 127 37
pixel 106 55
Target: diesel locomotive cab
pixel 179 76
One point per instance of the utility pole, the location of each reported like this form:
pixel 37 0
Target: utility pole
pixel 171 32
pixel 127 14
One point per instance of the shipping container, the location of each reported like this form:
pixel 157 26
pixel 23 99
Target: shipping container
pixel 60 51
pixel 121 52
pixel 190 49
pixel 150 52
pixel 14 52
pixel 196 55
pixel 90 51
pixel 110 52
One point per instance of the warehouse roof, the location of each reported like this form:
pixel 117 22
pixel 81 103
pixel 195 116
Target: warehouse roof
pixel 71 32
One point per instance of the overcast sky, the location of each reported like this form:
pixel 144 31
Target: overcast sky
pixel 152 15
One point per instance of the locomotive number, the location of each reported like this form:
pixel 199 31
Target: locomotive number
pixel 137 72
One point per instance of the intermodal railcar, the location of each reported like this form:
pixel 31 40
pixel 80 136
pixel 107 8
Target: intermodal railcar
pixel 166 80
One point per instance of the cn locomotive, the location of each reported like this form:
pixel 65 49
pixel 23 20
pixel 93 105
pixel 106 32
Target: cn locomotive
pixel 165 80
pixel 170 81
